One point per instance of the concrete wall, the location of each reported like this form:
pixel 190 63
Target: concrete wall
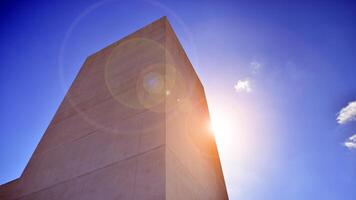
pixel 192 160
pixel 133 125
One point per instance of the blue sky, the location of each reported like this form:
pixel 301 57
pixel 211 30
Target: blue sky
pixel 280 79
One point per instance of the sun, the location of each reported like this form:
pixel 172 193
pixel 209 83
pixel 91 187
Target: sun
pixel 220 125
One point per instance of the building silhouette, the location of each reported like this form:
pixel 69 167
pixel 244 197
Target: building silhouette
pixel 133 125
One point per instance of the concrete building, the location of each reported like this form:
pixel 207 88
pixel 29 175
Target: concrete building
pixel 133 125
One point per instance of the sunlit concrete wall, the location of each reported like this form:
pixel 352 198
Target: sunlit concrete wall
pixel 133 125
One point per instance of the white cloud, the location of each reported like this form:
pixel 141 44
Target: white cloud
pixel 347 113
pixel 255 66
pixel 243 86
pixel 351 142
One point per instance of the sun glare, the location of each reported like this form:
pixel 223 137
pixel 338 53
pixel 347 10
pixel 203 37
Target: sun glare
pixel 220 125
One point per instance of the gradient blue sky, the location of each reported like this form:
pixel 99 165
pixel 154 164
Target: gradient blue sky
pixel 280 139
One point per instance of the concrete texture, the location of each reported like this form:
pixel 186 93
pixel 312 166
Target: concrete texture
pixel 133 125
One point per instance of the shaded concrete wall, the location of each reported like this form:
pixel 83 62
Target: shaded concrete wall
pixel 192 160
pixel 133 125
